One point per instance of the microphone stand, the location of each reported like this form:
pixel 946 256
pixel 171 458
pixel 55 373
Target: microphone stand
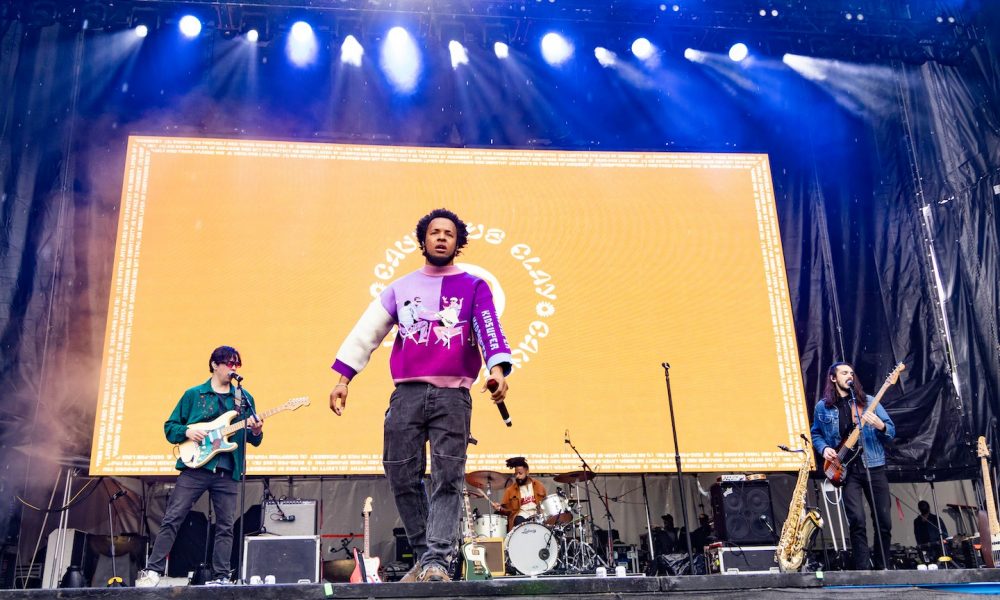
pixel 871 488
pixel 590 505
pixel 680 472
pixel 242 409
pixel 944 558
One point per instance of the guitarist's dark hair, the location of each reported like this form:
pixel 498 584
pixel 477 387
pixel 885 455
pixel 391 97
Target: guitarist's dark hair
pixel 224 354
pixel 830 391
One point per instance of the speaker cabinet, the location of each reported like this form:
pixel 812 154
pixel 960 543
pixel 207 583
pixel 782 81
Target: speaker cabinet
pixel 743 513
pixel 289 558
pixel 496 560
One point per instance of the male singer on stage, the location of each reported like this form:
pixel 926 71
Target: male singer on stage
pixel 523 497
pixel 835 416
pixel 445 319
pixel 218 476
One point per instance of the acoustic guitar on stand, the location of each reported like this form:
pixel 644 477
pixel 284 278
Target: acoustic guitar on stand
pixel 365 566
pixel 836 468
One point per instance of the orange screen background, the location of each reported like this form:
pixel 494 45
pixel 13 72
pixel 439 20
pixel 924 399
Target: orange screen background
pixel 604 265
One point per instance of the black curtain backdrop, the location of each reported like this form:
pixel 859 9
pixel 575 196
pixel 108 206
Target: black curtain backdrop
pixel 885 179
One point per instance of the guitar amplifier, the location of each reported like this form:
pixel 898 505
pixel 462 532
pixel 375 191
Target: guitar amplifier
pixel 496 560
pixel 290 558
pixel 290 517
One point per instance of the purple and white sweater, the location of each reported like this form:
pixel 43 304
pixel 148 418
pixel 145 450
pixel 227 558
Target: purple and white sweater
pixel 445 318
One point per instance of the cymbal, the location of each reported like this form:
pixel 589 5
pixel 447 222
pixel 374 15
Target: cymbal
pixel 574 477
pixel 484 479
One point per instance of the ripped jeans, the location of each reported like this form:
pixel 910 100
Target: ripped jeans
pixel 418 413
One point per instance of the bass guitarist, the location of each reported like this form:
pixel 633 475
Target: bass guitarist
pixel 218 477
pixel 840 409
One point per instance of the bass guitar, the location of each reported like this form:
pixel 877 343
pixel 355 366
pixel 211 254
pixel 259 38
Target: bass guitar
pixel 218 431
pixel 365 567
pixel 474 567
pixel 836 468
pixel 989 526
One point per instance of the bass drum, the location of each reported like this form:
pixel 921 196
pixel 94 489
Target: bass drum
pixel 532 549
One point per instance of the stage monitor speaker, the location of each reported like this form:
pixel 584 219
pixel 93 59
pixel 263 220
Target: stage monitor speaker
pixel 290 517
pixel 290 558
pixel 742 512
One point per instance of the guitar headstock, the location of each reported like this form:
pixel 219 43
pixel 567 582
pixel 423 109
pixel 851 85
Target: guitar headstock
pixel 981 450
pixel 894 376
pixel 295 403
pixel 367 510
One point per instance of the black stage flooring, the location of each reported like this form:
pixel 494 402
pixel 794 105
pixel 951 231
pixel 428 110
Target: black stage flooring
pixel 841 584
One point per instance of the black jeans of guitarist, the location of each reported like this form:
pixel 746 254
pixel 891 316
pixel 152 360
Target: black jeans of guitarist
pixel 191 484
pixel 856 487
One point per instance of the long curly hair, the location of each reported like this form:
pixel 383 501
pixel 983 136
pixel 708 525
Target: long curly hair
pixel 830 390
pixel 462 231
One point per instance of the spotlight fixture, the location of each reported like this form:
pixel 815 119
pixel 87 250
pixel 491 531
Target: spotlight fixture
pixel 501 50
pixel 738 52
pixel 556 49
pixel 642 48
pixel 190 26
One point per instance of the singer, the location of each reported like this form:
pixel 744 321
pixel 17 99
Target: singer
pixel 218 476
pixel 837 412
pixel 445 319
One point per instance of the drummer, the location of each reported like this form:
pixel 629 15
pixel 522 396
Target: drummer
pixel 521 498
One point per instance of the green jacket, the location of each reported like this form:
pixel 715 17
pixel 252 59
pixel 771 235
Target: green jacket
pixel 200 404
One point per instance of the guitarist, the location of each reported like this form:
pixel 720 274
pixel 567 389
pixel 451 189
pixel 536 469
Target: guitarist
pixel 218 476
pixel 836 414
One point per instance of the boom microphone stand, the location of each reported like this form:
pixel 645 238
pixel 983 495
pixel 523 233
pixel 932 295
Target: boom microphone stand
pixel 242 407
pixel 590 505
pixel 680 473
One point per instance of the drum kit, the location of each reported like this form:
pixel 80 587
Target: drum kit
pixel 557 540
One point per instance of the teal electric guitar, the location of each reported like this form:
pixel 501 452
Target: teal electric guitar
pixel 217 433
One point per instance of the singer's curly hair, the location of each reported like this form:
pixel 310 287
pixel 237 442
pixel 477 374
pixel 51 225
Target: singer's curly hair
pixel 224 354
pixel 830 390
pixel 462 237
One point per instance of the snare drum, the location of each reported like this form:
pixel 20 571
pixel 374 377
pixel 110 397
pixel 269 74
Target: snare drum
pixel 491 526
pixel 556 510
pixel 532 549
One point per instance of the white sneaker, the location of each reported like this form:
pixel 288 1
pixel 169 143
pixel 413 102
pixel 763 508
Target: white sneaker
pixel 219 581
pixel 147 578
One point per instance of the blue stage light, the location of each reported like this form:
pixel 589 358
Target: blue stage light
pixel 501 50
pixel 252 36
pixel 605 57
pixel 301 47
pixel 642 49
pixel 141 31
pixel 738 52
pixel 351 51
pixel 190 26
pixel 459 55
pixel 556 49
pixel 400 59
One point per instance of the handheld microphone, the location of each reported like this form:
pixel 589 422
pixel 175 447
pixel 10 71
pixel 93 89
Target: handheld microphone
pixel 768 524
pixel 566 438
pixel 236 376
pixel 492 385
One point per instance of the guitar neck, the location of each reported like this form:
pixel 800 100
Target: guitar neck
pixel 238 425
pixel 852 439
pixel 991 507
pixel 368 551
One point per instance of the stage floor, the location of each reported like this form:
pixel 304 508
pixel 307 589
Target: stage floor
pixel 841 584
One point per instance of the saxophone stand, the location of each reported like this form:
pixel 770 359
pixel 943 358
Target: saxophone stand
pixel 680 472
pixel 944 559
pixel 871 488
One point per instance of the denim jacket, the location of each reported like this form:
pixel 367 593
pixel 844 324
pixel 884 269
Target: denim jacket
pixel 826 432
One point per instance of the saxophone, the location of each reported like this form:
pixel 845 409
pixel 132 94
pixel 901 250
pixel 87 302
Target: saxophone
pixel 802 521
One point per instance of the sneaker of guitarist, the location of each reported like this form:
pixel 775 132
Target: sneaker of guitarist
pixel 836 415
pixel 447 326
pixel 218 476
